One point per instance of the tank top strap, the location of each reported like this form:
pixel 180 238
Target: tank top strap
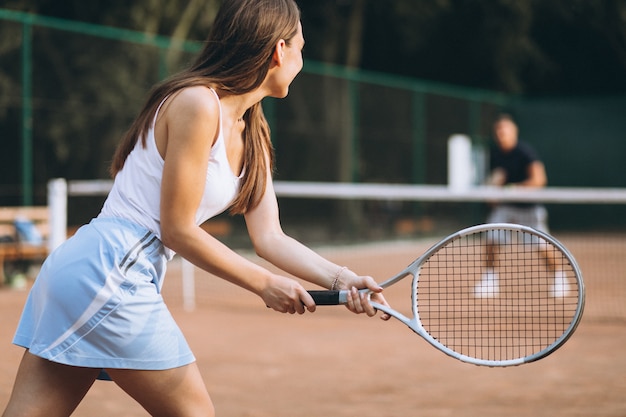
pixel 219 104
pixel 156 113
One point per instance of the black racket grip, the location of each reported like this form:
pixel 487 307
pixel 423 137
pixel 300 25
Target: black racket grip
pixel 325 298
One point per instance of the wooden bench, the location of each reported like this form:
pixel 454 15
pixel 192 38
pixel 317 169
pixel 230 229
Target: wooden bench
pixel 15 246
pixel 15 249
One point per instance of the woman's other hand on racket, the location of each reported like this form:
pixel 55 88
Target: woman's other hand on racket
pixel 286 295
pixel 359 302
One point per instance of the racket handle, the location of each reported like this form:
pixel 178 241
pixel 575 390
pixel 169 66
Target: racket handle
pixel 327 298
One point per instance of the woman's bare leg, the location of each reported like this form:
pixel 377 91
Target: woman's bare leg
pixel 173 392
pixel 45 388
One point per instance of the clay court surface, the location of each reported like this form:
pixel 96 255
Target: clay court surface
pixel 259 363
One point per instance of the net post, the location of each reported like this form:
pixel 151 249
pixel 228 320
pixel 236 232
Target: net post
pixel 57 206
pixel 188 284
pixel 460 169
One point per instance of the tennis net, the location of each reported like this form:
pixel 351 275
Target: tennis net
pixel 369 224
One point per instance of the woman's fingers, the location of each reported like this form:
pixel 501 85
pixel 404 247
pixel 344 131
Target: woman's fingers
pixel 358 302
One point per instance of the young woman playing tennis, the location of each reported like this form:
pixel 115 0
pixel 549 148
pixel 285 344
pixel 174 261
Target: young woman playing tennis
pixel 199 146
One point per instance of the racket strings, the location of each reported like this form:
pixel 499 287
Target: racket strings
pixel 497 295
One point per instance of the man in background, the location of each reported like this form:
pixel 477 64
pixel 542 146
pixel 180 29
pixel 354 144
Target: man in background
pixel 514 164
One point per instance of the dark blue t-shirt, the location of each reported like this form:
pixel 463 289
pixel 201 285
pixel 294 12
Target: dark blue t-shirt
pixel 515 163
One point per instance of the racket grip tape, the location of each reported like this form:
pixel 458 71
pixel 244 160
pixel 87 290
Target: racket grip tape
pixel 325 298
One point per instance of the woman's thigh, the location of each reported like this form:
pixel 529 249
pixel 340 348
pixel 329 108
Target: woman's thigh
pixel 45 388
pixel 172 392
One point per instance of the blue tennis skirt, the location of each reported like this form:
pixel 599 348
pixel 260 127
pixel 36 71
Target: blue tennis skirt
pixel 97 302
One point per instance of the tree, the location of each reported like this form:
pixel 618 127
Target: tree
pixel 84 84
pixel 87 84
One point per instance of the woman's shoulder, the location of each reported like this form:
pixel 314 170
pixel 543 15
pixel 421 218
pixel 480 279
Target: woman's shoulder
pixel 195 100
pixel 190 112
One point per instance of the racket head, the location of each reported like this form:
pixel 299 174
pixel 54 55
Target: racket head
pixel 530 308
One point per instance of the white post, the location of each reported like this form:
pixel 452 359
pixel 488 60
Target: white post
pixel 188 284
pixel 460 170
pixel 57 205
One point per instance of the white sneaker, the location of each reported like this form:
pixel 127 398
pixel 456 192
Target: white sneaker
pixel 488 286
pixel 560 287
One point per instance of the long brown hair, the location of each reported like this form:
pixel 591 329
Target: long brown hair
pixel 236 59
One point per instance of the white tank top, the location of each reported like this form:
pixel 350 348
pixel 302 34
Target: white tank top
pixel 136 192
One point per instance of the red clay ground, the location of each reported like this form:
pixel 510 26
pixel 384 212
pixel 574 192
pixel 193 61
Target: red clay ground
pixel 258 363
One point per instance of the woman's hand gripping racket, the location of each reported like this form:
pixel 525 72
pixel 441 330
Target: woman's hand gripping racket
pixel 493 295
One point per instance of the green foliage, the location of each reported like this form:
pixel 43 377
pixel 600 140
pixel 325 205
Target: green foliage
pixel 86 90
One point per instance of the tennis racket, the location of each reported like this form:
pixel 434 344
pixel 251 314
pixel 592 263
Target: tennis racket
pixel 494 295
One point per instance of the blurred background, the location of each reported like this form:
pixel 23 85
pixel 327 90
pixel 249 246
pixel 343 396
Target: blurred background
pixel 385 84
